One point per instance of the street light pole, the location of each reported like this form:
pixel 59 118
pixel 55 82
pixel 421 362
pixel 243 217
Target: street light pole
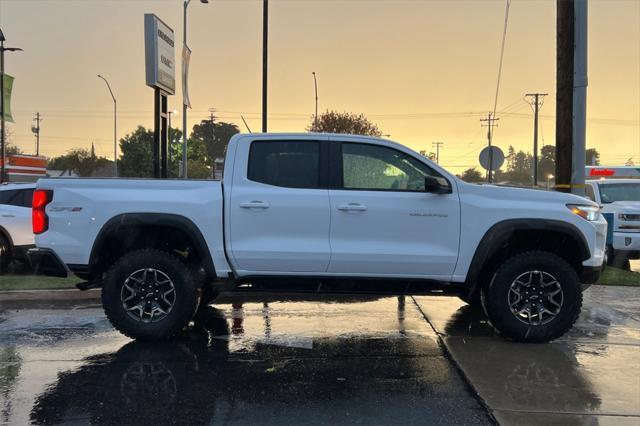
pixel 184 100
pixel 315 117
pixel 115 128
pixel 2 132
pixel 265 45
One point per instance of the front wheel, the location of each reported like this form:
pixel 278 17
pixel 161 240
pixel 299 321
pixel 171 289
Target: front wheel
pixel 534 297
pixel 149 294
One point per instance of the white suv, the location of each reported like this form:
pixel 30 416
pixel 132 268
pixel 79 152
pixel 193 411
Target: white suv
pixel 16 236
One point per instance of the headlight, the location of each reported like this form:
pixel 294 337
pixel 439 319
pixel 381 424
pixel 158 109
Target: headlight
pixel 589 213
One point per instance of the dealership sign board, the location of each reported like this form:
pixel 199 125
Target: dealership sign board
pixel 159 52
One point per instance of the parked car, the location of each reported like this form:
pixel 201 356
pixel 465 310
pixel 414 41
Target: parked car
pixel 620 200
pixel 320 212
pixel 16 236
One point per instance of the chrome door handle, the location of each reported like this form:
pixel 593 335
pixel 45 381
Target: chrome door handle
pixel 352 207
pixel 254 205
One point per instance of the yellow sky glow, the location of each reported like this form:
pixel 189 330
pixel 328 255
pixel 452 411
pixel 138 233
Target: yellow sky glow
pixel 424 71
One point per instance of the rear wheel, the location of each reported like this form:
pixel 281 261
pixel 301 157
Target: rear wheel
pixel 5 254
pixel 533 297
pixel 149 294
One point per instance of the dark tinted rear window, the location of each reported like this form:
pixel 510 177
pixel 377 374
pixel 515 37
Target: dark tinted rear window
pixel 17 197
pixel 292 164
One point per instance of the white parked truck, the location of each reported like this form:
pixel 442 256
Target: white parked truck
pixel 320 212
pixel 620 201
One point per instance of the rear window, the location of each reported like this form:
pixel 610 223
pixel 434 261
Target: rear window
pixel 291 164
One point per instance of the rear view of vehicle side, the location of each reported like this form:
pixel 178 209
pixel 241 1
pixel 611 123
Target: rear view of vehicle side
pixel 317 212
pixel 15 222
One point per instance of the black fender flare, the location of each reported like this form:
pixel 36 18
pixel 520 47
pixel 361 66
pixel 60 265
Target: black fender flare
pixel 502 231
pixel 159 219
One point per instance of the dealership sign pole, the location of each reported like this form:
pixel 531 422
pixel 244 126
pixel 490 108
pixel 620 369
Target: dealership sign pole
pixel 160 74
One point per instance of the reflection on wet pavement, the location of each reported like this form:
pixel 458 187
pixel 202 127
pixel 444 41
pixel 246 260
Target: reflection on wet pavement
pixel 252 359
pixel 590 376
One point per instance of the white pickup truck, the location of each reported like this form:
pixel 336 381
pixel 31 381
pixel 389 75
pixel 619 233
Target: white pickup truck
pixel 620 201
pixel 320 212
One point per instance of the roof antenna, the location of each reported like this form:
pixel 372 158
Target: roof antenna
pixel 245 123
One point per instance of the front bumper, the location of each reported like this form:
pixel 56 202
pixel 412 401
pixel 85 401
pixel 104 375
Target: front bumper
pixel 590 274
pixel 46 262
pixel 626 241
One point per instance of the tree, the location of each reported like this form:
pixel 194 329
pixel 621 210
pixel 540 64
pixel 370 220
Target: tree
pixel 79 160
pixel 344 122
pixel 592 157
pixel 215 135
pixel 472 175
pixel 518 167
pixel 137 155
pixel 546 162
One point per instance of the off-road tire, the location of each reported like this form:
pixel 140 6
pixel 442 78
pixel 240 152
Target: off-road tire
pixel 186 295
pixel 208 293
pixel 496 303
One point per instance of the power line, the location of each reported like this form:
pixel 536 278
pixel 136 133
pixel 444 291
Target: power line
pixel 504 39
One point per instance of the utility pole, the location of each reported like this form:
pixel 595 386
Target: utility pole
pixel 491 123
pixel 2 135
pixel 437 146
pixel 265 44
pixel 538 100
pixel 571 92
pixel 36 131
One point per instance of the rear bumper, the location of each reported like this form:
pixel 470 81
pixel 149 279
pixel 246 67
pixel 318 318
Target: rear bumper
pixel 46 262
pixel 20 252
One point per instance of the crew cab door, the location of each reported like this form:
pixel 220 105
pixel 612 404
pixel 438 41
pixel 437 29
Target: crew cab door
pixel 382 220
pixel 279 207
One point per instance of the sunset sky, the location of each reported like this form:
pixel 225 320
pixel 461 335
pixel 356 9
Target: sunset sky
pixel 424 71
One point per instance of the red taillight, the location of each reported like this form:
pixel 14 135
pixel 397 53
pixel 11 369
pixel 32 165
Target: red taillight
pixel 39 218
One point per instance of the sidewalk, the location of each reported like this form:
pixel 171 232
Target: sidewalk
pixel 591 375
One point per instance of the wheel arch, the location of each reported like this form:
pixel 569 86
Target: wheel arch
pixel 520 235
pixel 121 224
pixel 5 234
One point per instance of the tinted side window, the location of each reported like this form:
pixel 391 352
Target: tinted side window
pixel 292 164
pixel 27 198
pixel 7 197
pixel 376 167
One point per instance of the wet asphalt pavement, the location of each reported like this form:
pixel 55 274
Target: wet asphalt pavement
pixel 249 360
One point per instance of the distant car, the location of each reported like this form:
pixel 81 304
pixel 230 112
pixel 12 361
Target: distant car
pixel 620 200
pixel 16 235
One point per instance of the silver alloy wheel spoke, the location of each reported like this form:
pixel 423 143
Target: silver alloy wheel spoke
pixel 148 295
pixel 535 297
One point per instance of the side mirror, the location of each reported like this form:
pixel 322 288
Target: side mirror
pixel 436 185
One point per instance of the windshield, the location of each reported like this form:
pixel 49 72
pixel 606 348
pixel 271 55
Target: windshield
pixel 619 192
